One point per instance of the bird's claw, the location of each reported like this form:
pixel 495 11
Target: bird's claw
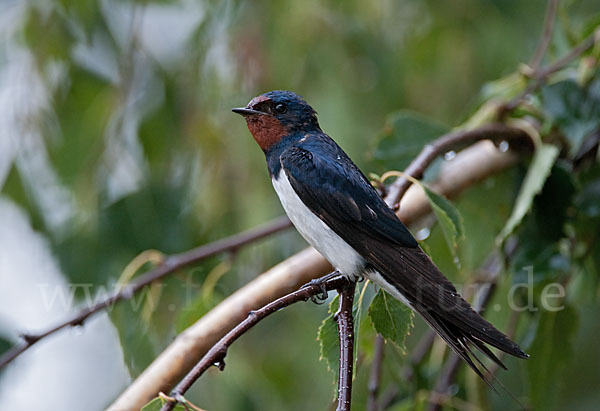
pixel 321 297
pixel 323 294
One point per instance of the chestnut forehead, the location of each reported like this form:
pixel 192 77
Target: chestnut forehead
pixel 258 100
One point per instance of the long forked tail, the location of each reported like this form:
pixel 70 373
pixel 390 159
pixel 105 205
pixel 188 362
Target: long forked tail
pixel 462 342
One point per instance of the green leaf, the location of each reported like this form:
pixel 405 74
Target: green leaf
pixel 328 339
pixel 449 219
pixel 504 88
pixel 550 352
pixel 404 136
pixel 392 319
pixel 156 404
pixel 576 110
pixel 588 200
pixel 538 172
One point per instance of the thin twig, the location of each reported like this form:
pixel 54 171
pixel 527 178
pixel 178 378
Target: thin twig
pixel 444 381
pixel 169 265
pixel 549 19
pixel 345 324
pixel 216 355
pixel 447 142
pixel 417 355
pixel 375 377
pixel 539 77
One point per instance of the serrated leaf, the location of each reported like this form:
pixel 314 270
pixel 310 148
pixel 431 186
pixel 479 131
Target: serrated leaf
pixel 328 335
pixel 404 136
pixel 539 170
pixel 550 352
pixel 449 219
pixel 392 319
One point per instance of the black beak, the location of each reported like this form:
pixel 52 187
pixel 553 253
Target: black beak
pixel 245 111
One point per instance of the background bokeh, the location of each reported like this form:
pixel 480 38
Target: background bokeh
pixel 116 137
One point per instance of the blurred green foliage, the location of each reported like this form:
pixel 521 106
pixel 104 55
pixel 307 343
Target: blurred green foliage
pixel 132 106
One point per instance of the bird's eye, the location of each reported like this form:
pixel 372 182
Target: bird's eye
pixel 280 108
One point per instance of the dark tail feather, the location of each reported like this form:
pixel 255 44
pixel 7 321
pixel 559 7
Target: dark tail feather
pixel 455 339
pixel 459 341
pixel 485 350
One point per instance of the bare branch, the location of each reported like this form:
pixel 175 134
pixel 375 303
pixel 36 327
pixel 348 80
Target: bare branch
pixel 345 324
pixel 450 141
pixel 170 265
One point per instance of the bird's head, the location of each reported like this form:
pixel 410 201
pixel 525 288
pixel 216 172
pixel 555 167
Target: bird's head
pixel 278 114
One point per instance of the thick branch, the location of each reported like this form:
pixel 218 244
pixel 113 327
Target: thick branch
pixel 216 355
pixel 470 166
pixel 170 265
pixel 345 324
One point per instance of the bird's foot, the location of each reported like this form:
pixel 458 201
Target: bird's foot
pixel 320 282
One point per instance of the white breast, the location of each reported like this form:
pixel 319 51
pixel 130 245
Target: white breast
pixel 341 255
pixel 338 252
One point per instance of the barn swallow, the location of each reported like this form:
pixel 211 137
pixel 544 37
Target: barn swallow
pixel 336 209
